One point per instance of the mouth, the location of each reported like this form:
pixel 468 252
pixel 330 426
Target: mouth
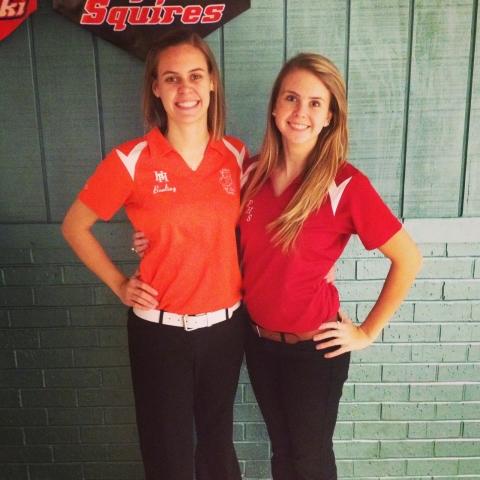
pixel 299 127
pixel 187 104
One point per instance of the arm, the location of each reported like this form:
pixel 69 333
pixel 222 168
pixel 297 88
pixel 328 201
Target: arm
pixel 76 229
pixel 405 263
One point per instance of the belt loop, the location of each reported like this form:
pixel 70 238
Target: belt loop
pixel 161 316
pixel 226 314
pixel 282 336
pixel 258 331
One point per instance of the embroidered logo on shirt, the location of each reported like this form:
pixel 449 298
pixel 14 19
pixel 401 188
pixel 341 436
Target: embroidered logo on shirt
pixel 249 211
pixel 226 181
pixel 162 185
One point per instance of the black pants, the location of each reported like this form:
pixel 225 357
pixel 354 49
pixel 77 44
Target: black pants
pixel 298 391
pixel 180 379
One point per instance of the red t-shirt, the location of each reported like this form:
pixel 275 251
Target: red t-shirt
pixel 188 216
pixel 288 292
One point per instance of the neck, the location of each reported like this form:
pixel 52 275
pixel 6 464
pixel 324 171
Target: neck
pixel 294 159
pixel 187 136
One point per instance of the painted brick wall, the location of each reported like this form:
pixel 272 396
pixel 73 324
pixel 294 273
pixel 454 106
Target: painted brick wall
pixel 411 407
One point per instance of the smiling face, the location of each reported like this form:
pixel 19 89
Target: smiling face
pixel 302 109
pixel 183 85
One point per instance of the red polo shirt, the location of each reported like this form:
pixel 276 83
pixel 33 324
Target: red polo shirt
pixel 188 216
pixel 288 292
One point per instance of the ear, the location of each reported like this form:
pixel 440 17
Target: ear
pixel 274 113
pixel 212 86
pixel 329 119
pixel 155 88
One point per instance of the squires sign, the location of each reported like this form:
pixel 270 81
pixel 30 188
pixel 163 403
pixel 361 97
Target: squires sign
pixel 13 13
pixel 135 24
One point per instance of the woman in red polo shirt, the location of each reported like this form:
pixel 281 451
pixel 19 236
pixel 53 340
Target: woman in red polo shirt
pixel 302 203
pixel 180 184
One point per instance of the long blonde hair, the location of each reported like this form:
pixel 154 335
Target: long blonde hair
pixel 324 160
pixel 153 111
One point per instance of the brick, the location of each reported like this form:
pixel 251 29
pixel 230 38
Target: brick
pixel 52 435
pixel 93 397
pixel 238 432
pixel 458 410
pixel 109 434
pixel 439 353
pixel 462 290
pixel 436 429
pixel 256 432
pixel 358 411
pixel 91 357
pixel 356 449
pixel 403 314
pixel 442 312
pixel 14 472
pixel 447 268
pixel 348 392
pixel 359 290
pixel 21 378
pixel 48 398
pixel 44 275
pixel 475 311
pixel 56 472
pixel 345 269
pixel 12 256
pixel 380 430
pixel 252 450
pixel 113 337
pixel 9 398
pixel 456 448
pixel 343 431
pixel 30 235
pixel 104 296
pixel 7 359
pixel 18 338
pixel 117 377
pixel 474 353
pixel 123 453
pixel 362 468
pixel 433 249
pixel 68 337
pixel 120 415
pixel 247 412
pixel 477 269
pixel 426 290
pixel 22 416
pixel 469 466
pixel 439 392
pixel 78 274
pixel 380 392
pixel 16 296
pixel 25 454
pixel 79 453
pixel 406 448
pixel 113 471
pixel 460 332
pixel 459 372
pixel 257 469
pixel 408 372
pixel 75 416
pixel 408 411
pixel 463 249
pixel 382 353
pixel 372 268
pixel 439 466
pixel 75 377
pixel 51 296
pixel 99 316
pixel 39 317
pixel 59 255
pixel 407 332
pixel 11 436
pixel 249 395
pixel 364 373
pixel 45 358
pixel 355 249
pixel 472 392
pixel 4 318
pixel 471 429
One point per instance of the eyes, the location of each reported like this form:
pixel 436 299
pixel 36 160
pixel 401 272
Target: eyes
pixel 294 99
pixel 174 79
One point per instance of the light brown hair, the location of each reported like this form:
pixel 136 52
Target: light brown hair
pixel 153 111
pixel 324 160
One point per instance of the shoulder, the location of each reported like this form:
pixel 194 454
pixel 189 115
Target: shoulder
pixel 127 154
pixel 351 176
pixel 236 147
pixel 131 146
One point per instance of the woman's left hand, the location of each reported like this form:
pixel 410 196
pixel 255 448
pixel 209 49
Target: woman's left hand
pixel 344 335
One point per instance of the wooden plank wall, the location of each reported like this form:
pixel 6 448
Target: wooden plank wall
pixel 412 69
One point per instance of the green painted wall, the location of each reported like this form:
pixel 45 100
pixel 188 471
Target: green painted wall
pixel 411 407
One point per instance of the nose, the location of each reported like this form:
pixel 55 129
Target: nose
pixel 300 109
pixel 183 86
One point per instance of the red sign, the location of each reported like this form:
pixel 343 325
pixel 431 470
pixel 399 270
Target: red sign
pixel 135 24
pixel 13 13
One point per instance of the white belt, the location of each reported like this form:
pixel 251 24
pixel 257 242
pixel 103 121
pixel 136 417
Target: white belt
pixel 187 322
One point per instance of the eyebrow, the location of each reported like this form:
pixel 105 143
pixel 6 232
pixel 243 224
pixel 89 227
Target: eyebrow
pixel 171 72
pixel 298 95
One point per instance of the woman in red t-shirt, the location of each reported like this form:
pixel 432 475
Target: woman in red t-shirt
pixel 301 204
pixel 179 183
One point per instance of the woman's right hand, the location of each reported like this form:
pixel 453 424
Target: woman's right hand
pixel 135 293
pixel 140 243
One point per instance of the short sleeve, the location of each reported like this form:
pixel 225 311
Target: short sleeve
pixel 107 190
pixel 372 219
